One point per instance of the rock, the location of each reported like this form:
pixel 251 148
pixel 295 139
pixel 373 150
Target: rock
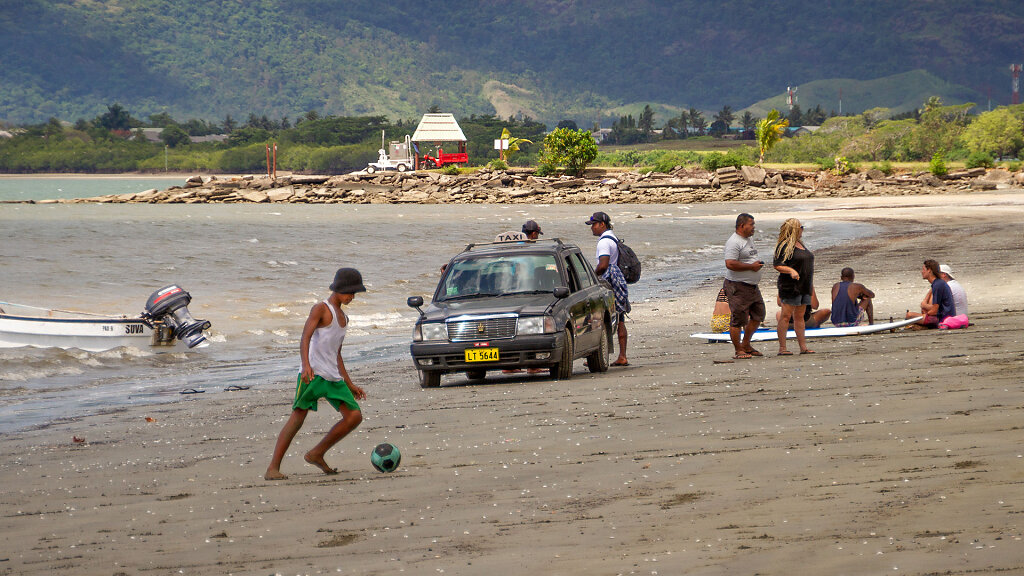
pixel 980 184
pixel 254 196
pixel 308 180
pixel 728 175
pixel 280 194
pixel 753 175
pixel 971 173
pixel 929 180
pixel 522 193
pixel 875 174
pixel 413 196
pixel 569 183
pixel 997 175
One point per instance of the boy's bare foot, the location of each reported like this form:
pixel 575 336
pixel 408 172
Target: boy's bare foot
pixel 274 475
pixel 320 463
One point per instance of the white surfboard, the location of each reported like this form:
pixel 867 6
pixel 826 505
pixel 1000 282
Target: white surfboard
pixel 771 334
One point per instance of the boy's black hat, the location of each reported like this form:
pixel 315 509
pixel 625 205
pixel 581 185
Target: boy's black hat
pixel 531 226
pixel 347 281
pixel 599 217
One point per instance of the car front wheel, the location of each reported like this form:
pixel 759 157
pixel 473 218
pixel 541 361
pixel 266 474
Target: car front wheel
pixel 430 379
pixel 563 370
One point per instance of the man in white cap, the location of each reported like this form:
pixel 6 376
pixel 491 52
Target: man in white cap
pixel 959 294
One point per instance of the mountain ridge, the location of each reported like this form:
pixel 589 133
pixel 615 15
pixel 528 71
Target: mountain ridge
pixel 546 59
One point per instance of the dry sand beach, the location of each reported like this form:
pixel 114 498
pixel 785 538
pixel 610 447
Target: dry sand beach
pixel 895 453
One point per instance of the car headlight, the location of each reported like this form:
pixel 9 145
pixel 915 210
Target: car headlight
pixel 535 325
pixel 430 331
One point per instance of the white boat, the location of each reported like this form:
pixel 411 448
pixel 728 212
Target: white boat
pixel 165 326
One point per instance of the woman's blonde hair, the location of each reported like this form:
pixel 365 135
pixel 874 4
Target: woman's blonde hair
pixel 789 233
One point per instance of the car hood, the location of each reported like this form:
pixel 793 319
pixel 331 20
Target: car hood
pixel 522 304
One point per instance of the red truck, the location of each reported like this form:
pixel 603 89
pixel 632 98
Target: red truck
pixel 428 161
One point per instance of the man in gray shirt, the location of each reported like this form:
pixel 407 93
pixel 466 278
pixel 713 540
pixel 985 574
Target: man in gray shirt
pixel 742 274
pixel 959 294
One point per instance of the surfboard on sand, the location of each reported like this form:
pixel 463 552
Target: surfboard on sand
pixel 771 334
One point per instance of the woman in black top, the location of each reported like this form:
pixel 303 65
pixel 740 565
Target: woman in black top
pixel 795 264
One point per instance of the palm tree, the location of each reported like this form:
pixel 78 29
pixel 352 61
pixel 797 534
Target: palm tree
pixel 932 103
pixel 697 121
pixel 769 131
pixel 680 124
pixel 748 121
pixel 513 143
pixel 726 115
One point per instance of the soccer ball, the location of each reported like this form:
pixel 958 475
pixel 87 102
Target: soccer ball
pixel 386 457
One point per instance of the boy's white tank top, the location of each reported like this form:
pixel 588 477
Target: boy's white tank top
pixel 324 347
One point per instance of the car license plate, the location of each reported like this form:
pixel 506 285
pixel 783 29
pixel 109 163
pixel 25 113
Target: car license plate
pixel 481 354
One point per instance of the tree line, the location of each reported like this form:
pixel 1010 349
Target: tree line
pixel 115 142
pixel 690 123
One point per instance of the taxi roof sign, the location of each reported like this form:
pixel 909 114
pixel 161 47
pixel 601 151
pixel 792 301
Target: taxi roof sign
pixel 511 237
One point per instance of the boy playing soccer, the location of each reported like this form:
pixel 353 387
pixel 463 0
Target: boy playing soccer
pixel 323 375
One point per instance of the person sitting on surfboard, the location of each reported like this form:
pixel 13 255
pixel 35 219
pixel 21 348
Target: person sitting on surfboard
pixel 938 303
pixel 959 294
pixel 851 301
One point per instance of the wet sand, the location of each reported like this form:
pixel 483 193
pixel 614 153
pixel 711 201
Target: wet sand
pixel 894 453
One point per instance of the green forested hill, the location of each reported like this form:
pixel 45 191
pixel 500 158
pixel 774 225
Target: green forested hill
pixel 550 59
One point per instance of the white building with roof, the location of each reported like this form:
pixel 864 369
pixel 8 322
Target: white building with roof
pixel 438 130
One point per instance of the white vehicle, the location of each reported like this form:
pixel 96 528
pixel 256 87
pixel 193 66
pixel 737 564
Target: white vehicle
pixel 399 157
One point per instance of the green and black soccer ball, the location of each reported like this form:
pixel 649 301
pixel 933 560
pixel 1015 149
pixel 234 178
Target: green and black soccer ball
pixel 386 457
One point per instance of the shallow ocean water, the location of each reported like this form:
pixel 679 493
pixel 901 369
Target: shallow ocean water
pixel 254 271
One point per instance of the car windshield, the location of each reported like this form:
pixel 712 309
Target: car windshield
pixel 494 275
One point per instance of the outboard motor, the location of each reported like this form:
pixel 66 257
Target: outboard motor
pixel 170 306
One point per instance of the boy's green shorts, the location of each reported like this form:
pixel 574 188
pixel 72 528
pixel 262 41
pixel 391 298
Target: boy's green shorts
pixel 337 393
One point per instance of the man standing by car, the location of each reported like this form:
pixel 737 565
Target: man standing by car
pixel 742 274
pixel 608 268
pixel 532 230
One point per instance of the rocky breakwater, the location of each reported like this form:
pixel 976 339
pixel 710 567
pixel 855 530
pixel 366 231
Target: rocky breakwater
pixel 596 187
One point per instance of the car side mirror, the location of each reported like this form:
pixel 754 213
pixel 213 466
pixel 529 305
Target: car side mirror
pixel 415 302
pixel 561 292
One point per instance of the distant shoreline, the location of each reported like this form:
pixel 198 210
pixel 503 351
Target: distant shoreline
pixel 125 176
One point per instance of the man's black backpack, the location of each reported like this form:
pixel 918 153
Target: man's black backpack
pixel 628 263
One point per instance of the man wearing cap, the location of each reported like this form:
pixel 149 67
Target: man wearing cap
pixel 742 275
pixel 532 230
pixel 959 294
pixel 608 268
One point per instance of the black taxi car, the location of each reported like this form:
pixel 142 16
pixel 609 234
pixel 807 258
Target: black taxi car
pixel 521 304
